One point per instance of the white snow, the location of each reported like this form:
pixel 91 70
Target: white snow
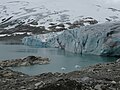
pixel 2 35
pixel 46 11
pixel 21 33
pixel 16 33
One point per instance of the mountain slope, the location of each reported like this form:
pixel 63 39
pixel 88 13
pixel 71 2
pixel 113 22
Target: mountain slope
pixel 43 12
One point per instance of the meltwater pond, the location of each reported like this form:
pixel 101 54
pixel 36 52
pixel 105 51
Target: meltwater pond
pixel 60 61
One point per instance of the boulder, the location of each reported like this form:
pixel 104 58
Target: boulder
pixel 118 60
pixel 63 84
pixel 1 68
pixel 30 60
pixel 61 25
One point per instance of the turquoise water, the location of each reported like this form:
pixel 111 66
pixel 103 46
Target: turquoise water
pixel 59 59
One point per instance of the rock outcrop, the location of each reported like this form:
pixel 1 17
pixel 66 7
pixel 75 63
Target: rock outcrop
pixel 30 60
pixel 100 39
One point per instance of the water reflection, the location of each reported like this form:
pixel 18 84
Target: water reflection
pixel 59 59
pixel 27 50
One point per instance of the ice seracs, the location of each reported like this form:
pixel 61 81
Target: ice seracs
pixel 100 39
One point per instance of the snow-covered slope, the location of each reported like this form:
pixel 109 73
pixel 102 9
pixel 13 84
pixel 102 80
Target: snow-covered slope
pixel 58 11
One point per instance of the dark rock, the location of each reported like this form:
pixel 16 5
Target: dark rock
pixel 6 19
pixel 61 25
pixel 52 24
pixel 52 28
pixel 1 68
pixel 63 84
pixel 68 23
pixel 30 60
pixel 34 23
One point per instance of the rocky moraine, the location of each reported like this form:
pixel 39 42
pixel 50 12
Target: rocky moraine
pixel 97 77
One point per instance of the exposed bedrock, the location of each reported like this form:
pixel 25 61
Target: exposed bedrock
pixel 28 61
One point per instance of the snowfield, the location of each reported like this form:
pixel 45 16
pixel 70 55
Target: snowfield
pixel 58 11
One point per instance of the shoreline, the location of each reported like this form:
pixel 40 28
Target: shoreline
pixel 97 77
pixel 27 61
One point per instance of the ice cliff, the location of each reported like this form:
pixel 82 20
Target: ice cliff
pixel 101 39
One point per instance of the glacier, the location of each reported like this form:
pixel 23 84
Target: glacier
pixel 41 40
pixel 100 39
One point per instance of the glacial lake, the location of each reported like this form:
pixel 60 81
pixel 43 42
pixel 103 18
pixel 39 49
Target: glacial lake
pixel 59 59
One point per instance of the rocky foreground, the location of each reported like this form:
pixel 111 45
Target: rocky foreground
pixel 97 77
pixel 30 60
